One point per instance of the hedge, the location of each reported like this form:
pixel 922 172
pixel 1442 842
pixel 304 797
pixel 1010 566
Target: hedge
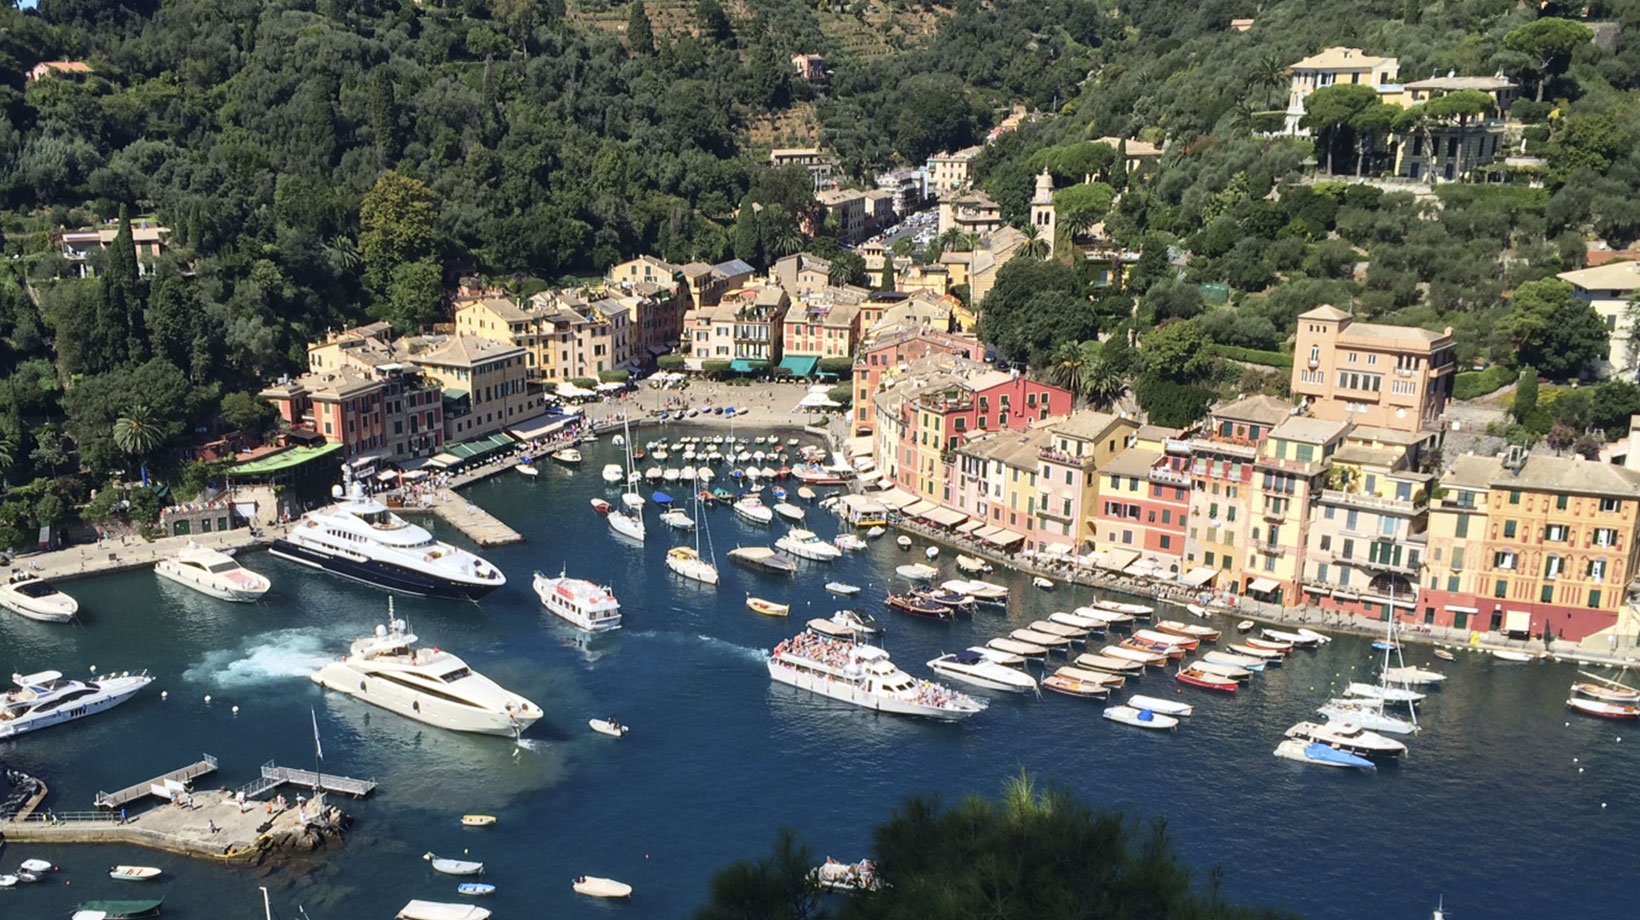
pixel 670 362
pixel 1254 356
pixel 616 376
pixel 585 383
pixel 1475 384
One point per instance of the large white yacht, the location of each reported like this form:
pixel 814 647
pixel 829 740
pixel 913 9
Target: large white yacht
pixel 432 686
pixel 359 538
pixel 864 676
pixel 28 595
pixel 579 602
pixel 212 572
pixel 805 545
pixel 48 698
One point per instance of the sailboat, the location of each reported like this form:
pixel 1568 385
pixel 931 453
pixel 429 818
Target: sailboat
pixel 628 523
pixel 688 562
pixel 630 498
pixel 1362 713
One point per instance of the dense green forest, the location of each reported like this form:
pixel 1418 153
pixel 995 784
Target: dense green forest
pixel 324 161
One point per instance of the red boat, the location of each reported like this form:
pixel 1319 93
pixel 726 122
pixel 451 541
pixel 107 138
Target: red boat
pixel 600 506
pixel 637 455
pixel 784 472
pixel 1206 681
pixel 919 608
pixel 706 498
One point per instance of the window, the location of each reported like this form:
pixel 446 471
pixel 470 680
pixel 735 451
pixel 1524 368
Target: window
pixel 1610 504
pixel 1167 542
pixel 1501 589
pixel 1560 502
pixel 1552 567
pixel 1508 528
pixel 1321 572
pixel 1547 595
pixel 1605 536
pixel 1556 533
pixel 1596 570
pixel 1594 598
pixel 1462 528
pixel 1503 561
pixel 1514 496
pixel 1349 549
pixel 1457 558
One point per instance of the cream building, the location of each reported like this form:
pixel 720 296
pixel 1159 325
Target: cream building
pixel 1339 65
pixel 1610 289
pixel 1396 377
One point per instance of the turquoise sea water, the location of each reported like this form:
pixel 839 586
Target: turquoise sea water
pixel 1489 809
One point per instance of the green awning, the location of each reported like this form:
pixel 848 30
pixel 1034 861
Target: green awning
pixel 479 447
pixel 284 460
pixel 799 366
pixel 746 365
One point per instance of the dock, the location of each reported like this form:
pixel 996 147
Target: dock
pixel 164 785
pixel 274 776
pixel 473 522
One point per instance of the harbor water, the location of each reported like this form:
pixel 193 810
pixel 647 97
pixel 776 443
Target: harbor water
pixel 1505 806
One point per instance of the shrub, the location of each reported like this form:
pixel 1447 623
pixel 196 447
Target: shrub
pixel 1254 356
pixel 1475 384
pixel 714 369
pixel 614 376
pixel 585 383
pixel 670 363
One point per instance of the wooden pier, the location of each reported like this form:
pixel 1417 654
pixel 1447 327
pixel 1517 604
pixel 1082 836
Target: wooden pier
pixel 274 776
pixel 474 522
pixel 163 786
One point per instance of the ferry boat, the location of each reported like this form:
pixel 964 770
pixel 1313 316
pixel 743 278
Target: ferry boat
pixel 28 595
pixel 48 698
pixel 863 675
pixel 433 686
pixel 579 602
pixel 359 539
pixel 211 572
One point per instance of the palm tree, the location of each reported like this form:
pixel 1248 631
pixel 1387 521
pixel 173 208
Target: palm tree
pixel 951 240
pixel 787 241
pixel 136 433
pixel 1037 247
pixel 1102 385
pixel 6 457
pixel 1269 73
pixel 1069 361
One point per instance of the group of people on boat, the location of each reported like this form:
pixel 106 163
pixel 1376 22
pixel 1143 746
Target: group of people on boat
pixel 830 652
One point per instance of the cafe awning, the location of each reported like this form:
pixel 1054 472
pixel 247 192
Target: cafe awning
pixel 945 517
pixel 1118 559
pixel 746 365
pixel 897 498
pixel 540 426
pixel 918 508
pixel 798 366
pixel 1261 585
pixel 1056 549
pixel 1200 576
pixel 1517 621
pixel 1004 538
pixel 970 527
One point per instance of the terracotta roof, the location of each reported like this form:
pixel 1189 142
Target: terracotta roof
pixel 1263 410
pixel 1472 472
pixel 1325 311
pixel 1011 448
pixel 1087 425
pixel 459 350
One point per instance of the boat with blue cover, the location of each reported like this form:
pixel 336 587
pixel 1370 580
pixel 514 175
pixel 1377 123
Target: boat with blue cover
pixel 1321 755
pixel 475 889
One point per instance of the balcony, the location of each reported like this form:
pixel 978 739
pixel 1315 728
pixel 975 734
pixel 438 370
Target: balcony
pixel 1376 502
pixel 1056 455
pixel 1274 513
pixel 1176 446
pixel 1271 549
pixel 1169 476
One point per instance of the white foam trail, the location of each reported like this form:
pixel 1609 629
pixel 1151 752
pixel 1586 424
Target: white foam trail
pixel 751 654
pixel 278 656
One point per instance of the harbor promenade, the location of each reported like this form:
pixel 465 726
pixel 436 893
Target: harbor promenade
pixel 125 554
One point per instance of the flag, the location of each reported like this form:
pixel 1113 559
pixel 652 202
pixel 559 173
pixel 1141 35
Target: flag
pixel 318 751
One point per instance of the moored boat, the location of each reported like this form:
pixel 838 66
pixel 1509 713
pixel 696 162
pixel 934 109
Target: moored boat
pixel 1188 630
pixel 1046 640
pixel 1321 755
pixel 1134 610
pixel 453 866
pixel 973 565
pixel 1042 583
pixel 214 573
pixel 1235 660
pixel 32 597
pixel 477 820
pixel 121 910
pixel 1291 638
pixel 1110 665
pixel 1366 714
pixel 1270 656
pixel 419 909
pixel 1196 677
pixel 1141 718
pixel 846 590
pixel 917 607
pixel 1157 704
pixel 568 456
pixel 601 506
pixel 1411 676
pixel 1382 692
pixel 1603 708
pixel 762 558
pixel 1611 693
pixel 805 544
pixel 767 607
pixel 1233 672
pixel 1076 682
pixel 1511 655
pixel 916 571
pixel 1016 647
pixel 133 873
pixel 1444 655
pixel 594 887
pixel 1347 737
pixel 974 668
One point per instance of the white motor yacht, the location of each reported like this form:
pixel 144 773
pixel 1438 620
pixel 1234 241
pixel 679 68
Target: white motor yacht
pixel 849 541
pixel 48 698
pixel 677 520
pixel 429 685
pixel 360 539
pixel 1347 737
pixel 804 544
pixel 209 571
pixel 975 668
pixel 863 675
pixel 579 602
pixel 30 596
pixel 686 561
pixel 752 509
pixel 1367 714
pixel 614 474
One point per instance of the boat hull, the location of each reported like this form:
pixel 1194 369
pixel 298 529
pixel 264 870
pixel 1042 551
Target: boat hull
pixel 116 690
pixel 966 676
pixel 204 586
pixel 421 707
pixel 43 613
pixel 381 575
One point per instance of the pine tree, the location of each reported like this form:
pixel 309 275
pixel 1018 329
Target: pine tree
pixel 640 35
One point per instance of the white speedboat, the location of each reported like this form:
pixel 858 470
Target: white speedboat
pixel 849 541
pixel 453 866
pixel 41 699
pixel 876 531
pixel 1157 704
pixel 1042 583
pixel 973 565
pixel 686 561
pixel 211 572
pixel 526 468
pixel 863 675
pixel 677 520
pixel 1347 737
pixel 614 474
pixel 632 500
pixel 595 887
pixel 627 525
pixel 1234 660
pixel 1305 639
pixel 579 602
pixel 1366 714
pixel 1414 677
pixel 429 685
pixel 567 455
pixel 846 590
pixel 1509 654
pixel 751 508
pixel 1110 617
pixel 1377 692
pixel 418 909
pixel 133 873
pixel 37 599
pixel 974 668
pixel 983 591
pixel 360 539
pixel 903 541
pixel 804 544
pixel 1141 718
pixel 608 727
pixel 916 572
pixel 932 553
pixel 789 511
pixel 1132 610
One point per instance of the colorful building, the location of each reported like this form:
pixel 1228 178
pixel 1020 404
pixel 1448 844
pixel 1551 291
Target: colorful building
pixel 1289 470
pixel 1143 505
pixel 1078 448
pixel 1222 454
pixel 1396 377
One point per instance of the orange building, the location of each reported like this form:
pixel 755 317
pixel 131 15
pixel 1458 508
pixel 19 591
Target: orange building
pixel 1395 377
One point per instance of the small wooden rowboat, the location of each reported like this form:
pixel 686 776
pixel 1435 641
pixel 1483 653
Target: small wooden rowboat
pixel 1195 677
pixel 133 873
pixel 767 608
pixel 595 887
pixel 1604 709
pixel 477 820
pixel 1618 694
pixel 1445 655
pixel 454 866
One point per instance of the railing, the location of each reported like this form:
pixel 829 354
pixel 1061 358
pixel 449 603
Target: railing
pixel 71 817
pixel 1060 456
pixel 1176 445
pixel 1169 476
pixel 1369 500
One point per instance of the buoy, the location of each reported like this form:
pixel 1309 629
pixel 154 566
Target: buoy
pixel 207 697
pixel 1580 769
pixel 166 694
pixel 1574 759
pixel 236 710
pixel 93 669
pixel 1602 804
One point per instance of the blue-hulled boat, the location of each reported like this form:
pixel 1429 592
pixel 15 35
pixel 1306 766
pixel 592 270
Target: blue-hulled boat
pixel 779 494
pixel 1315 752
pixel 475 889
pixel 661 498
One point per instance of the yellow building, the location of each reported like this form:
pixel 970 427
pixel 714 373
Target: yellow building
pixel 1290 469
pixel 1337 65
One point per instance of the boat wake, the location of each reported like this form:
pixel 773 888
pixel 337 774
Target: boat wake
pixel 277 656
pixel 722 645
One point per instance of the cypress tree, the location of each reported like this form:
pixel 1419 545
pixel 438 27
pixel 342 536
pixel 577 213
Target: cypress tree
pixel 384 119
pixel 119 308
pixel 640 35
